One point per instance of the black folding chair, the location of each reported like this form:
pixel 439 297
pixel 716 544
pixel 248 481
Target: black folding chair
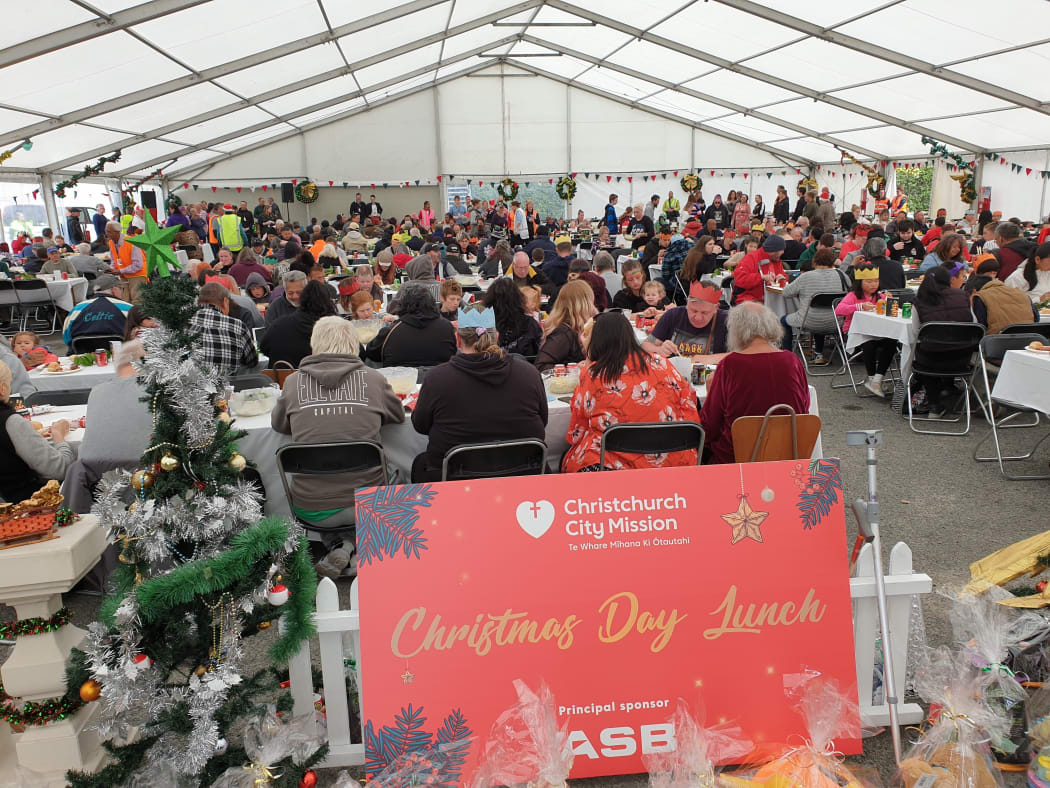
pixel 846 368
pixel 89 344
pixel 61 397
pixel 254 380
pixel 916 274
pixel 658 437
pixel 945 337
pixel 34 295
pixel 9 308
pixel 822 302
pixel 494 459
pixel 1042 329
pixel 992 350
pixel 324 460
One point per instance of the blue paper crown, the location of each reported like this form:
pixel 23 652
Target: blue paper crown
pixel 472 318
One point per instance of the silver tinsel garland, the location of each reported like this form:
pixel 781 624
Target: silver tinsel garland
pixel 136 694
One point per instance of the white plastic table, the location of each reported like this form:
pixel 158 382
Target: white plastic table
pixel 67 292
pixel 83 378
pixel 1024 379
pixel 866 326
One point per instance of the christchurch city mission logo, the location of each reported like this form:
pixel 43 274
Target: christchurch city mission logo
pixel 602 518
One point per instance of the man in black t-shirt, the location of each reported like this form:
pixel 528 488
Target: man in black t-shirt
pixel 641 228
pixel 358 206
pixel 696 330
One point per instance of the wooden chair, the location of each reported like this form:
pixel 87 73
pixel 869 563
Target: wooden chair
pixel 279 372
pixel 770 438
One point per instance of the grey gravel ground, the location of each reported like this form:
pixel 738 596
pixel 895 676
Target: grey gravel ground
pixel 948 508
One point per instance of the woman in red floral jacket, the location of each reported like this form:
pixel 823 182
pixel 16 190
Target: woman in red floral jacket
pixel 622 384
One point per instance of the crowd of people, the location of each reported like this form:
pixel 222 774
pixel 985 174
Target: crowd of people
pixel 298 296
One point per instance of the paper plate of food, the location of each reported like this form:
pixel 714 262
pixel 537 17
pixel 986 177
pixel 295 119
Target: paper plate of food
pixel 465 280
pixel 55 368
pixel 1038 347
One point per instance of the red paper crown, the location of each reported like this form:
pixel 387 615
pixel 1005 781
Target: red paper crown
pixel 702 292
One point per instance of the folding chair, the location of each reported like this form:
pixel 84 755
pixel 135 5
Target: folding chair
pixel 846 369
pixel 494 459
pixel 89 344
pixel 255 380
pixel 655 271
pixel 821 301
pixel 1042 329
pixel 34 295
pixel 59 397
pixel 992 350
pixel 770 438
pixel 659 437
pixel 9 305
pixel 324 460
pixel 945 337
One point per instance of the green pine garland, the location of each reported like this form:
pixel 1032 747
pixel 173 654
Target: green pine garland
pixel 967 180
pixel 38 712
pixel 89 171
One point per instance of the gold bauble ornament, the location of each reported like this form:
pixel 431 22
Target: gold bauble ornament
pixel 237 462
pixel 133 506
pixel 169 462
pixel 200 671
pixel 90 691
pixel 224 417
pixel 142 480
pixel 264 625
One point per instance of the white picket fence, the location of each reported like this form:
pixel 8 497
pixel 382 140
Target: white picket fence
pixel 339 637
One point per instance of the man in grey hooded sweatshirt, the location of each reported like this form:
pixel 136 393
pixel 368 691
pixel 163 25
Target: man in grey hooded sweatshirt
pixel 333 396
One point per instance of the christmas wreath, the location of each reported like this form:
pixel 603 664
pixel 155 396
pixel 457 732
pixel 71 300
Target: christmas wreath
pixel 566 187
pixel 807 183
pixel 691 183
pixel 306 192
pixel 507 189
pixel 875 182
pixel 173 203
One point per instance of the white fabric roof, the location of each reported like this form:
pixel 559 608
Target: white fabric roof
pixel 176 84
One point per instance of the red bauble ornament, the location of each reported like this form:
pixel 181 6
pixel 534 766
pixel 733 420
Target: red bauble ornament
pixel 142 661
pixel 277 595
pixel 309 779
pixel 1040 586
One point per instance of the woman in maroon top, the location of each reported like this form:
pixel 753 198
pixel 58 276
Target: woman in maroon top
pixel 754 376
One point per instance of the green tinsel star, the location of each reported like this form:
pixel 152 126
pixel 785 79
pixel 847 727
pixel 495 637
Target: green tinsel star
pixel 156 243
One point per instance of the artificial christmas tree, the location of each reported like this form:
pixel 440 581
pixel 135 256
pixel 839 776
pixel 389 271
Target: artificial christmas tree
pixel 199 572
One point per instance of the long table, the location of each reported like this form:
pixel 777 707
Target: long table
pixel 401 443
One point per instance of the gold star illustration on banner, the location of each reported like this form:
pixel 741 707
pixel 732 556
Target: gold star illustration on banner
pixel 408 676
pixel 745 521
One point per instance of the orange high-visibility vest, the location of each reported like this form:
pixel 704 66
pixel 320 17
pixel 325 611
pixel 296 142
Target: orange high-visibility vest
pixel 122 260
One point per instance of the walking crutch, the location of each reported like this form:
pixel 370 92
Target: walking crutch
pixel 867 514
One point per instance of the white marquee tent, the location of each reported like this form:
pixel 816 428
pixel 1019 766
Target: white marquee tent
pixel 240 93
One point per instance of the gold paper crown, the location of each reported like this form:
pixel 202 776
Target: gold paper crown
pixel 866 273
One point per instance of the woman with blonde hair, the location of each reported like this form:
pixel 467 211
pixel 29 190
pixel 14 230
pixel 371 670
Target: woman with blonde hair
pixel 563 334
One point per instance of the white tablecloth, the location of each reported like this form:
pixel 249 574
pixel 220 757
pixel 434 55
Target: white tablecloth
pixel 84 378
pixel 778 304
pixel 67 292
pixel 1024 378
pixel 870 325
pixel 401 442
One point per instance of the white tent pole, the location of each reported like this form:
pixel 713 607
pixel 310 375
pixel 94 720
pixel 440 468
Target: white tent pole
pixel 503 116
pixel 47 191
pixel 568 145
pixel 978 178
pixel 1042 191
pixel 443 185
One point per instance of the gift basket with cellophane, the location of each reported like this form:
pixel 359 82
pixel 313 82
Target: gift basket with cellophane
pixel 697 749
pixel 829 714
pixel 954 748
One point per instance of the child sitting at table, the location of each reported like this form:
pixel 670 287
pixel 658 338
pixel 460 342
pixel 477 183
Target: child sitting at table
pixel 655 298
pixel 27 347
pixel 533 301
pixel 451 295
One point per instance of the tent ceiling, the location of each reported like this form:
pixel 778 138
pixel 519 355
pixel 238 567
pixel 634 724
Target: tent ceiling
pixel 128 74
